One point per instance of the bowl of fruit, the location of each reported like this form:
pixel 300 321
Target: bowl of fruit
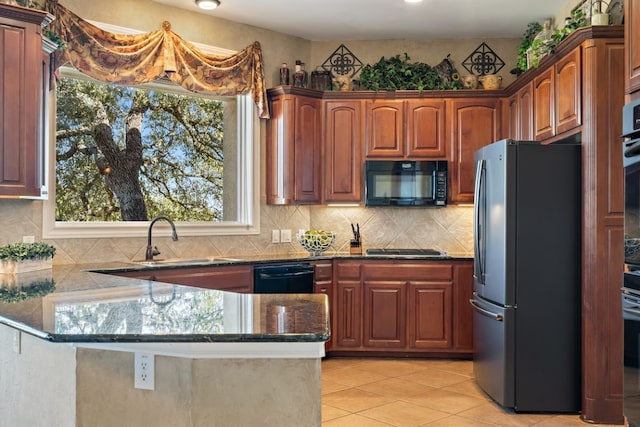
pixel 316 241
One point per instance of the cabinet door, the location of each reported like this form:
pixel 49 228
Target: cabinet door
pixel 279 152
pixel 474 124
pixel 462 311
pixel 385 311
pixel 343 151
pixel 632 45
pixel 21 82
pixel 384 133
pixel 525 106
pixel 323 284
pixel 430 315
pixel 426 129
pixel 307 149
pixel 347 313
pixel 293 150
pixel 568 91
pixel 543 104
pixel 512 120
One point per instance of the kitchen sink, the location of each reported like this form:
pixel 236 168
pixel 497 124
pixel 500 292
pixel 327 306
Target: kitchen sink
pixel 183 261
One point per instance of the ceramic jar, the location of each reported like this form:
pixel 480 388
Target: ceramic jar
pixel 470 81
pixel 491 81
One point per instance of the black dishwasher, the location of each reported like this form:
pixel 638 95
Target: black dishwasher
pixel 283 279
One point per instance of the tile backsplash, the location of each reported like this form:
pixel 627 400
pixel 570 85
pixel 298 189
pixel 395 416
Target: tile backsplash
pixel 448 229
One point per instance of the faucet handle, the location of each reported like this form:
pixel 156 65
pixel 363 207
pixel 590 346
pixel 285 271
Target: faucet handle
pixel 155 251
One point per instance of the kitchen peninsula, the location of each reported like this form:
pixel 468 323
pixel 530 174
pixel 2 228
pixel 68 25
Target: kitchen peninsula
pixel 221 358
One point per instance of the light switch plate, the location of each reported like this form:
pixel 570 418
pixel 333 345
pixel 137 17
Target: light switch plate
pixel 285 236
pixel 275 236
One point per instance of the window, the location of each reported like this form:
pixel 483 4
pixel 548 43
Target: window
pixel 124 155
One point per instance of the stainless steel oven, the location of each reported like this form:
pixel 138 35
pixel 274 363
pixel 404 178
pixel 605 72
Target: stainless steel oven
pixel 631 282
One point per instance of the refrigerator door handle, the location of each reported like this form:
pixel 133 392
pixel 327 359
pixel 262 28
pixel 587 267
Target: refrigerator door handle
pixel 478 259
pixel 495 316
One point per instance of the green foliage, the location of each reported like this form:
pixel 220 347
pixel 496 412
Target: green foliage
pixel 20 251
pixel 542 47
pixel 398 73
pixel 35 290
pixel 182 151
pixel 533 28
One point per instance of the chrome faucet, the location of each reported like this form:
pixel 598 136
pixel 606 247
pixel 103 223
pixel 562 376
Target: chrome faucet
pixel 153 250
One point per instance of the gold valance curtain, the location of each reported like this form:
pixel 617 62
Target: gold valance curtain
pixel 136 59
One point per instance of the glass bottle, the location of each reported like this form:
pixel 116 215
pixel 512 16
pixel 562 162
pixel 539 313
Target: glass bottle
pixel 284 74
pixel 298 75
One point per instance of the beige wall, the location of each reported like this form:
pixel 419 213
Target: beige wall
pixel 447 229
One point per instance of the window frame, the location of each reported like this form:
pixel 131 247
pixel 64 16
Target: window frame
pixel 248 178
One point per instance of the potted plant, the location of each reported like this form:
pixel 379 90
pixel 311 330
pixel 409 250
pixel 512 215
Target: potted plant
pixel 23 257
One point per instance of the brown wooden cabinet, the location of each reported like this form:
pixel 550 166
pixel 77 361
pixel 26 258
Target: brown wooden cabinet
pixel 323 284
pixel 347 313
pixel 343 141
pixel 632 48
pixel 474 124
pixel 543 106
pixel 384 128
pixel 293 150
pixel 403 307
pixel 22 100
pixel 235 278
pixel 568 91
pixel 411 129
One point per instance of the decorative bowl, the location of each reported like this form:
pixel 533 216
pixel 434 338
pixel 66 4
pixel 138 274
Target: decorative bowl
pixel 316 241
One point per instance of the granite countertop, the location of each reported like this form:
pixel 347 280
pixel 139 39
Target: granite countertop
pixel 83 303
pixel 71 304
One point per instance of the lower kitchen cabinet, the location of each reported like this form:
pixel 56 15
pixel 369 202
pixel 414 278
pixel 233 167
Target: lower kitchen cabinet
pixel 402 307
pixel 237 278
pixel 323 284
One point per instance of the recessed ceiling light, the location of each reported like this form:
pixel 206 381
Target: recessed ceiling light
pixel 413 1
pixel 208 4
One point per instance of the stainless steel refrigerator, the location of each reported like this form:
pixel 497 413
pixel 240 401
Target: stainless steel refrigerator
pixel 527 299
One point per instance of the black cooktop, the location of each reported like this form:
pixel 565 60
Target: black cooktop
pixel 426 253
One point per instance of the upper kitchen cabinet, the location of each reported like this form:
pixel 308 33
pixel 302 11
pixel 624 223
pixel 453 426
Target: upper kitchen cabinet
pixel 632 48
pixel 550 103
pixel 518 110
pixel 568 91
pixel 543 114
pixel 24 82
pixel 413 128
pixel 384 128
pixel 474 123
pixel 293 150
pixel 343 139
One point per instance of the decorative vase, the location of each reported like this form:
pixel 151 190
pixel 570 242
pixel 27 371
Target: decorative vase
pixel 470 81
pixel 491 81
pixel 600 19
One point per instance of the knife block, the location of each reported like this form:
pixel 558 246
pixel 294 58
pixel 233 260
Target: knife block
pixel 355 247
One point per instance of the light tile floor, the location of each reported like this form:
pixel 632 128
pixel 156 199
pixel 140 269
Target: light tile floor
pixel 416 393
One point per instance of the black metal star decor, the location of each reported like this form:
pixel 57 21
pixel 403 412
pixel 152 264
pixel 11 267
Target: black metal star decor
pixel 342 62
pixel 483 60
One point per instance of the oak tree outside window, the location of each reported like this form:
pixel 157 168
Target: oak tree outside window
pixel 124 155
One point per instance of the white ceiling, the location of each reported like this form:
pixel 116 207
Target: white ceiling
pixel 384 19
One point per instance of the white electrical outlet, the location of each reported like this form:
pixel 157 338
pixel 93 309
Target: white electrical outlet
pixel 28 239
pixel 275 236
pixel 285 236
pixel 144 371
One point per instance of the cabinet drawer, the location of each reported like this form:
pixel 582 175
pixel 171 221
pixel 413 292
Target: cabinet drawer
pixel 408 271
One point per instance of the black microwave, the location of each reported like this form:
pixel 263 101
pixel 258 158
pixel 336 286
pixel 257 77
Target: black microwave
pixel 405 183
